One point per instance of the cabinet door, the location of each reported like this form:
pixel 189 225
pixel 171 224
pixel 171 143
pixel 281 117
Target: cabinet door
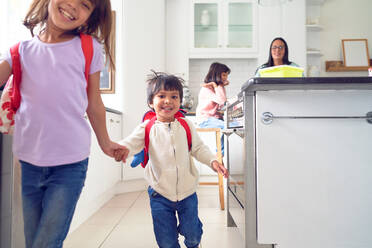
pixel 223 29
pixel 114 126
pixel 206 30
pixel 113 171
pixel 239 26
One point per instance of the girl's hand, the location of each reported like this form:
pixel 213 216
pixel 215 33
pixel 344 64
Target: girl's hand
pixel 121 154
pixel 219 168
pixel 226 83
pixel 115 150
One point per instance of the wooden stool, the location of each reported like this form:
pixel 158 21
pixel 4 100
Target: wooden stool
pixel 219 158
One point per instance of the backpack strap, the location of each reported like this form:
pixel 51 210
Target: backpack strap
pixel 148 115
pixel 15 94
pixel 147 141
pixel 87 46
pixel 147 134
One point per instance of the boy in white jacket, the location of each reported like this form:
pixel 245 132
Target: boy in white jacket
pixel 171 173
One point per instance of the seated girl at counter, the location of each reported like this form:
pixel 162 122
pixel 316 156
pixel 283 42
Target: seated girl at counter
pixel 212 98
pixel 278 55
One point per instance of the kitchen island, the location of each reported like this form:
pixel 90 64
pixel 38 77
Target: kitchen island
pixel 305 179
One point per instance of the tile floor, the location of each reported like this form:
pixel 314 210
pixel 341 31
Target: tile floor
pixel 125 221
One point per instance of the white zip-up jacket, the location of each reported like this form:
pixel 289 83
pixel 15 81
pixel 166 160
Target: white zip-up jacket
pixel 170 171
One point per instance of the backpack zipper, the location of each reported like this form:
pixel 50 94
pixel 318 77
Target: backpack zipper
pixel 174 154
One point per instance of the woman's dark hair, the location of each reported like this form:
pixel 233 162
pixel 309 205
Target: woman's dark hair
pixel 214 73
pixel 270 61
pixel 162 81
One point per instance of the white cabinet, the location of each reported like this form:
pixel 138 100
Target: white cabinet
pixel 313 30
pixel 223 29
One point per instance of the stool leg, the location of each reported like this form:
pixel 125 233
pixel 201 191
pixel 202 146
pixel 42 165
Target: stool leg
pixel 220 177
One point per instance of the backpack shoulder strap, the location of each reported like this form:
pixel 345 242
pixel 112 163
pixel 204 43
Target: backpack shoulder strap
pixel 147 141
pixel 147 135
pixel 15 95
pixel 148 115
pixel 87 46
pixel 187 129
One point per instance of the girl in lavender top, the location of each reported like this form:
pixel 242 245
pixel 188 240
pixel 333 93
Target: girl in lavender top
pixel 51 135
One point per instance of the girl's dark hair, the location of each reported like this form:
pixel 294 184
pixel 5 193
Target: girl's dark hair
pixel 270 61
pixel 98 25
pixel 214 73
pixel 163 81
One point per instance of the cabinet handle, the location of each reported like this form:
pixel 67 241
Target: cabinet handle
pixel 111 120
pixel 267 117
pixel 117 121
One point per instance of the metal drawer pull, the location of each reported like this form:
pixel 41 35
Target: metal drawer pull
pixel 267 117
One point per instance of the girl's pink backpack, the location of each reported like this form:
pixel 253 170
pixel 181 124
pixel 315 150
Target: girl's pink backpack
pixel 11 97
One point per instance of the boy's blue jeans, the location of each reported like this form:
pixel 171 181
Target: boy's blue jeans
pixel 215 123
pixel 49 196
pixel 165 221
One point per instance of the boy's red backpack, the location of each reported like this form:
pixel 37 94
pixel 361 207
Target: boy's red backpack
pixel 11 96
pixel 143 156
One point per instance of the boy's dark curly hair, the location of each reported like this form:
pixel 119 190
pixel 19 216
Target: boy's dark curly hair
pixel 162 81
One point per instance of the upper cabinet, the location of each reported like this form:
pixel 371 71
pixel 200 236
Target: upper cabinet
pixel 223 29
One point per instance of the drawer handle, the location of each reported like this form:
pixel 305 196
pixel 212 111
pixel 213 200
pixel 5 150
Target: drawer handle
pixel 267 117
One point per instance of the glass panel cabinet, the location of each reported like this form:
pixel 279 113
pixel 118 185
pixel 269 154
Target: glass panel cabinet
pixel 223 28
pixel 206 25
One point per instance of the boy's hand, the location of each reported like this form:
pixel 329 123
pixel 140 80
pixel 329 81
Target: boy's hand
pixel 219 168
pixel 121 154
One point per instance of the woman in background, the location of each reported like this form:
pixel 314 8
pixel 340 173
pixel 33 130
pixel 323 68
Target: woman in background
pixel 278 55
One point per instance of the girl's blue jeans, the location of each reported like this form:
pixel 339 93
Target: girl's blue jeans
pixel 212 122
pixel 49 196
pixel 165 221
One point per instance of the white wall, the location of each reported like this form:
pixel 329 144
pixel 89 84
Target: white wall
pixel 114 101
pixel 177 37
pixel 344 19
pixel 143 50
pixel 11 17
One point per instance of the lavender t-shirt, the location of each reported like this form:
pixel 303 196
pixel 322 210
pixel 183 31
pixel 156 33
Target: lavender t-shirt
pixel 50 128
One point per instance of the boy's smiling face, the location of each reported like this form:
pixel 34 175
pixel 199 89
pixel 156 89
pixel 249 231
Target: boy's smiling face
pixel 166 103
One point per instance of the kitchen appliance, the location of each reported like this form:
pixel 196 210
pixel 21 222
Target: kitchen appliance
pixel 304 176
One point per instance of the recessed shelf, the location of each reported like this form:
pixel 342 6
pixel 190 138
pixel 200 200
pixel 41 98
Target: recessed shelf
pixel 338 66
pixel 314 27
pixel 314 53
pixel 314 2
